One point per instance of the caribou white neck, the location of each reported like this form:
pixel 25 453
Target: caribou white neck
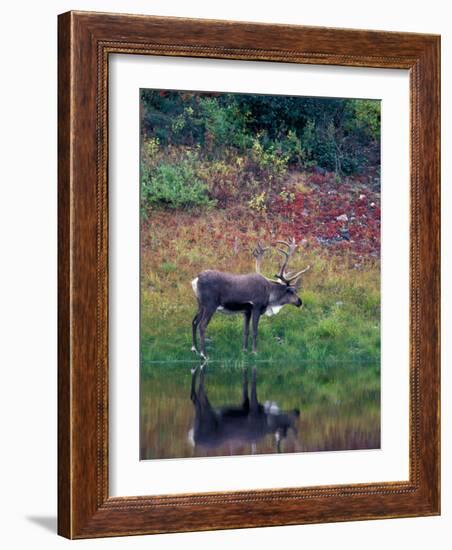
pixel 272 310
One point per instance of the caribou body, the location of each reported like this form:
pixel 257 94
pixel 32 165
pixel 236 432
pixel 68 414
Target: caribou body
pixel 252 295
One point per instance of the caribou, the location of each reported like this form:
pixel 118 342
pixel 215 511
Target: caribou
pixel 251 294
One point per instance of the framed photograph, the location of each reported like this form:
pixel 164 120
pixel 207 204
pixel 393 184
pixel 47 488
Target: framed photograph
pixel 248 275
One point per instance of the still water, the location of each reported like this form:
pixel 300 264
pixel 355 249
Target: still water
pixel 224 409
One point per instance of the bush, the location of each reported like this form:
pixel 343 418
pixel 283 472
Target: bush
pixel 333 147
pixel 269 158
pixel 259 202
pixel 173 186
pixel 364 120
pixel 225 125
pixel 270 132
pixel 292 149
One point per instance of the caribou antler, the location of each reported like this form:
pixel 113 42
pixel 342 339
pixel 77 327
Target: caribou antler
pixel 258 253
pixel 284 276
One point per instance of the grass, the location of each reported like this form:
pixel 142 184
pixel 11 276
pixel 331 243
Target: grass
pixel 340 320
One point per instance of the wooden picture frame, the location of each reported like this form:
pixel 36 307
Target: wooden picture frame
pixel 85 42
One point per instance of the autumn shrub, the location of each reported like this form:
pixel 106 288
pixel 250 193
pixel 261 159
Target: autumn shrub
pixel 173 186
pixel 269 157
pixel 259 202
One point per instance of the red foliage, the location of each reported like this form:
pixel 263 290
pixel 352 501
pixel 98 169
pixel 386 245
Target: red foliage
pixel 340 216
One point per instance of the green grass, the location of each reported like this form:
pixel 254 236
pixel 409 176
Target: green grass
pixel 317 332
pixel 340 320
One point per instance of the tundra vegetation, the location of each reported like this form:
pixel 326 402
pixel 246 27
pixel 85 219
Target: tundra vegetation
pixel 220 172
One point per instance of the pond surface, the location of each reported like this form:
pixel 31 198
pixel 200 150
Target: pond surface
pixel 225 409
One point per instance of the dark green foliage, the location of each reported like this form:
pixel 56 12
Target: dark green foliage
pixel 334 134
pixel 259 138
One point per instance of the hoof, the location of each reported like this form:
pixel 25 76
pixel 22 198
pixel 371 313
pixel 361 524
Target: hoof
pixel 203 356
pixel 194 350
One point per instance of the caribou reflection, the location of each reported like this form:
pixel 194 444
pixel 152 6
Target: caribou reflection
pixel 247 422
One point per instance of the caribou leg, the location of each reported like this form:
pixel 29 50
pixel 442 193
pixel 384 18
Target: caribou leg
pixel 246 329
pixel 203 322
pixel 256 316
pixel 194 325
